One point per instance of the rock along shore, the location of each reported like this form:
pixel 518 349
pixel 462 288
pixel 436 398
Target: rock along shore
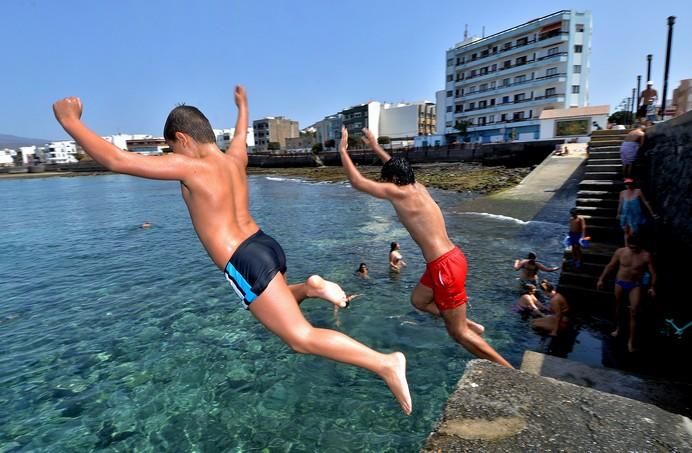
pixel 459 177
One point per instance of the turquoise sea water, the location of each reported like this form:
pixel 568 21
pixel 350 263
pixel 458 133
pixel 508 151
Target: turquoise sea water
pixel 129 339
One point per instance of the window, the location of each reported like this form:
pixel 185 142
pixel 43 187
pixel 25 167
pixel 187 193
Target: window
pixel 484 70
pixel 519 97
pixel 473 73
pixel 549 92
pixel 483 87
pixel 491 119
pixel 503 117
pixel 578 48
pixel 522 41
pixel 505 99
pixel 580 28
pixel 457 92
pixel 482 104
pixel 472 89
pixel 449 108
pixel 458 109
pixel 520 79
pixel 450 93
pixel 494 49
pixel 550 72
pixel 553 50
pixel 458 61
pixel 577 68
pixel 507 46
pixel 485 53
pixel 472 105
pixel 505 82
pixel 450 62
pixel 575 89
pixel 492 85
pixel 450 77
pixel 521 60
pixel 506 64
pixel 518 116
pixel 481 121
pixel 492 101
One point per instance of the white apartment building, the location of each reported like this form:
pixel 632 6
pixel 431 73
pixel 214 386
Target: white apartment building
pixel 62 152
pixel 500 84
pixel 328 129
pixel 406 120
pixel 224 137
pixel 7 157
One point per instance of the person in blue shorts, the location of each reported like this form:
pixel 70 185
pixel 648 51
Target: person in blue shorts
pixel 577 231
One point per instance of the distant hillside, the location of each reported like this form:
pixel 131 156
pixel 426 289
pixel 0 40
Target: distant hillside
pixel 12 141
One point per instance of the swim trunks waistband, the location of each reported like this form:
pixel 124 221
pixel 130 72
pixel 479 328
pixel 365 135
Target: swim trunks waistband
pixel 626 285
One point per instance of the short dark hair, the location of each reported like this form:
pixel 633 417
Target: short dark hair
pixel 573 211
pixel 634 240
pixel 528 287
pixel 531 256
pixel 398 170
pixel 191 121
pixel 393 246
pixel 547 286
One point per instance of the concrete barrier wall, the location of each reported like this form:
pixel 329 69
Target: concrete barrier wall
pixel 666 178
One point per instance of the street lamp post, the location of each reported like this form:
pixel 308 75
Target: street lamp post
pixel 671 22
pixel 639 84
pixel 648 67
pixel 634 102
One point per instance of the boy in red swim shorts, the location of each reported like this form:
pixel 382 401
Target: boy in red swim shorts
pixel 442 288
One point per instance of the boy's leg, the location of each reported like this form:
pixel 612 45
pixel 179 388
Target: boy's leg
pixel 618 291
pixel 455 320
pixel 422 298
pixel 277 310
pixel 316 286
pixel 635 298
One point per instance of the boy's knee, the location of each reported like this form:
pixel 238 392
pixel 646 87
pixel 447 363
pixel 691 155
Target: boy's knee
pixel 300 342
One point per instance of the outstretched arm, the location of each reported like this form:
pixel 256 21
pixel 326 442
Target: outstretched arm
pixel 611 265
pixel 372 141
pixel 238 146
pixel 547 269
pixel 646 203
pixel 68 112
pixel 358 181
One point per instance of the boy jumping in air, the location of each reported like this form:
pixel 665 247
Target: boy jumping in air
pixel 215 189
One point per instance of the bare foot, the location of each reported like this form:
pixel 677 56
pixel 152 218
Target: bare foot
pixel 615 333
pixel 326 290
pixel 395 377
pixel 474 326
pixel 630 346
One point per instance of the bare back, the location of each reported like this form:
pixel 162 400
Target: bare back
pixel 217 200
pixel 423 219
pixel 637 135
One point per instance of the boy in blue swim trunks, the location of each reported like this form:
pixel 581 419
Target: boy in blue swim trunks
pixel 214 187
pixel 631 262
pixel 577 230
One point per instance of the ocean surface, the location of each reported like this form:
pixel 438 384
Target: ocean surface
pixel 130 339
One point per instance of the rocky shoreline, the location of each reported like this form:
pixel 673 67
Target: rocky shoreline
pixel 458 177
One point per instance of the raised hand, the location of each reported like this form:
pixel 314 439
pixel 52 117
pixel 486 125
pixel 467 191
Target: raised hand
pixel 240 97
pixel 67 109
pixel 343 144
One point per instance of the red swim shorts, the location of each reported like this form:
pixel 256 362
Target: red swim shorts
pixel 446 275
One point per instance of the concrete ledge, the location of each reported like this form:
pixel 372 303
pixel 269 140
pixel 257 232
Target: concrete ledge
pixel 497 409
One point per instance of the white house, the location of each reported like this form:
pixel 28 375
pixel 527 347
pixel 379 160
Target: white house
pixel 62 152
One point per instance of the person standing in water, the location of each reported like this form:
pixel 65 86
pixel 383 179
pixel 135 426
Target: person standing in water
pixel 396 260
pixel 442 288
pixel 529 268
pixel 214 187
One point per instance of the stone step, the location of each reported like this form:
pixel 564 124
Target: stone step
pixel 606 161
pixel 605 233
pixel 606 142
pixel 615 186
pixel 599 211
pixel 597 203
pixel 603 175
pixel 602 155
pixel 584 280
pixel 582 298
pixel 604 148
pixel 599 194
pixel 585 268
pixel 600 167
pixel 609 132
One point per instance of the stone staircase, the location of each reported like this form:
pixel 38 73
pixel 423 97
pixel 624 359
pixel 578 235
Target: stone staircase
pixel 597 202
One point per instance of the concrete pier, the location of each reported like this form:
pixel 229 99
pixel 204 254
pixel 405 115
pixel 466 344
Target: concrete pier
pixel 495 409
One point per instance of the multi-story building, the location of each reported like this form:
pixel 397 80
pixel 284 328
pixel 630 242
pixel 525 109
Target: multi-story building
pixel 224 137
pixel 62 152
pixel 682 97
pixel 357 117
pixel 407 120
pixel 150 146
pixel 328 129
pixel 274 130
pixel 497 86
pixel 303 143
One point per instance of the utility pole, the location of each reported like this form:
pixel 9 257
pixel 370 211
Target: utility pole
pixel 671 22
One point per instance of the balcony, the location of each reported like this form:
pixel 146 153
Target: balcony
pixel 509 105
pixel 505 88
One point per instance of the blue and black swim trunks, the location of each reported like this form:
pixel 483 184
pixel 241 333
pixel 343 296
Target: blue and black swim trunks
pixel 253 265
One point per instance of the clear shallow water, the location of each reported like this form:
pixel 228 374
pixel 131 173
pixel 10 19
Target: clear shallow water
pixel 130 339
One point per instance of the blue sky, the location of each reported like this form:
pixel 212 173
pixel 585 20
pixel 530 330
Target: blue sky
pixel 131 61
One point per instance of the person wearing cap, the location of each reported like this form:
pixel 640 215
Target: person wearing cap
pixel 645 99
pixel 630 213
pixel 630 147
